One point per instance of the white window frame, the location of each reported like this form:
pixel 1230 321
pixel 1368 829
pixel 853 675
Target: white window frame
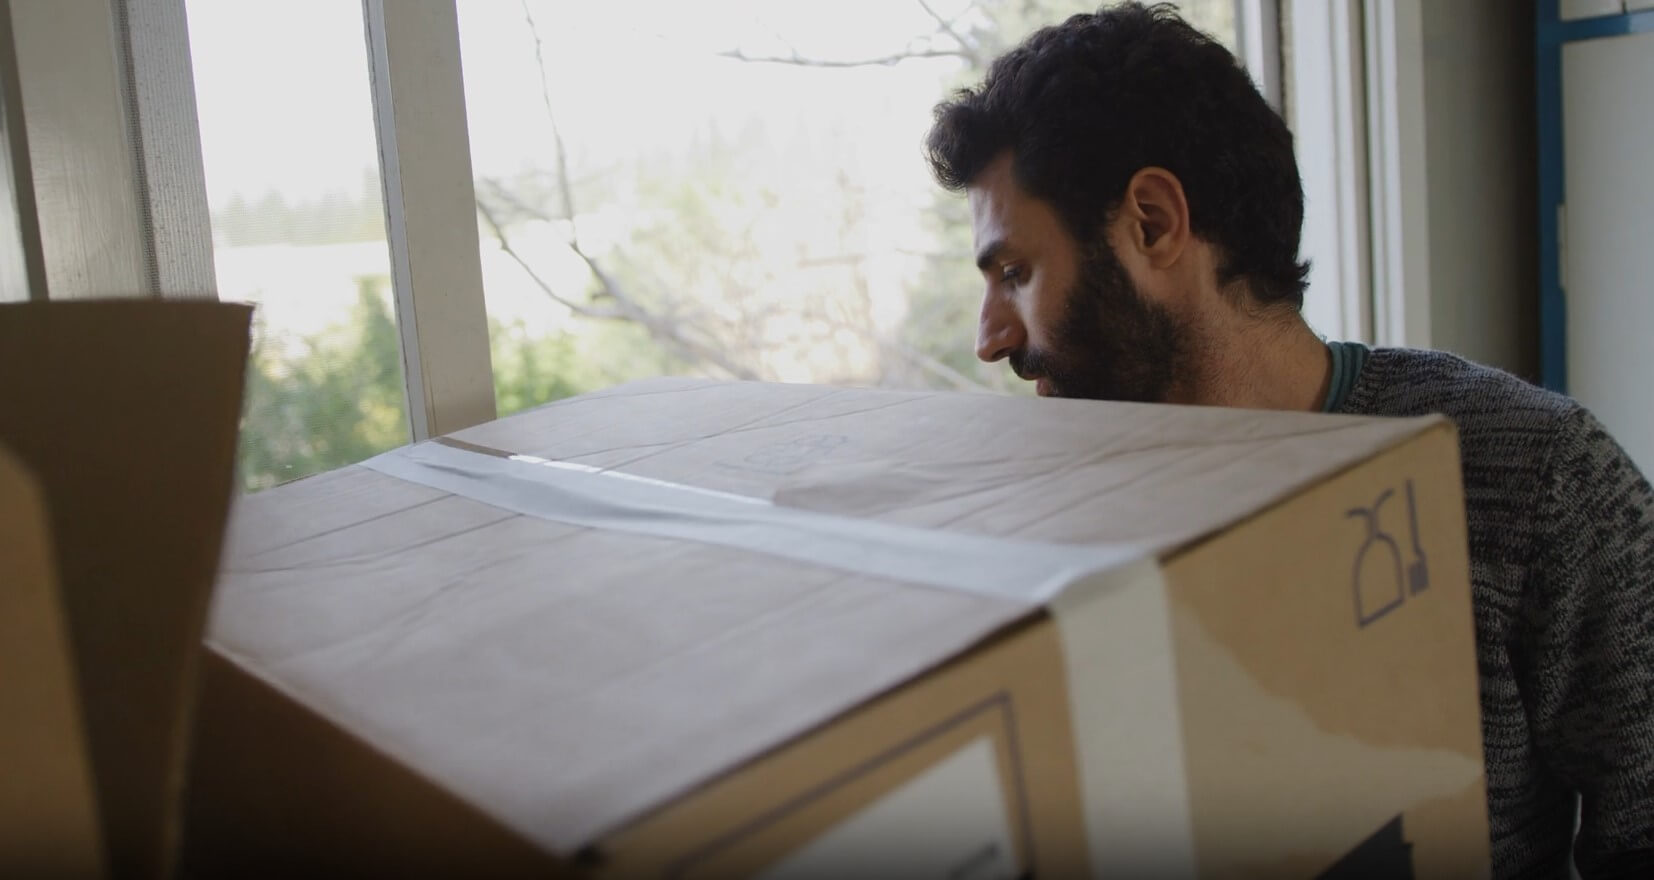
pixel 1258 39
pixel 1357 113
pixel 87 78
pixel 104 153
pixel 1400 182
pixel 158 84
pixel 74 180
pixel 22 277
pixel 1328 118
pixel 431 215
pixel 107 178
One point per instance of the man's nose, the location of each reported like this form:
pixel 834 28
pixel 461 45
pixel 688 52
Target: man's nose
pixel 1000 332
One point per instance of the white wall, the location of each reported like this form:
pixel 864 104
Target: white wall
pixel 1481 156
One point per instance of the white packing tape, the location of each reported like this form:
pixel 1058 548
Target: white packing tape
pixel 1128 725
pixel 1028 572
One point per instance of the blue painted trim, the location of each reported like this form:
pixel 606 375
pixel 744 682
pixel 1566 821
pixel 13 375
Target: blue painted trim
pixel 1551 33
pixel 1561 31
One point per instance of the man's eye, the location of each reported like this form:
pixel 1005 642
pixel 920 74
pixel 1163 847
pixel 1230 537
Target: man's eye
pixel 1011 274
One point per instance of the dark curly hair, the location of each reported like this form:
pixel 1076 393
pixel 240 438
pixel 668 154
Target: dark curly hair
pixel 1084 105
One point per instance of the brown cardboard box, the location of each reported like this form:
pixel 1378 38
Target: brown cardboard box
pixel 48 819
pixel 704 630
pixel 124 415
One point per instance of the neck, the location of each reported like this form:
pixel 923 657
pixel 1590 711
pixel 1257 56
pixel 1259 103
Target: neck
pixel 1261 361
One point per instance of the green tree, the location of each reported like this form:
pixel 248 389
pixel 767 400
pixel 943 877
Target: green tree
pixel 532 370
pixel 335 218
pixel 327 400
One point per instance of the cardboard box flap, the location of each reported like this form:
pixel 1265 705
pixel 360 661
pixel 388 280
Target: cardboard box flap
pixel 567 680
pixel 48 818
pixel 126 413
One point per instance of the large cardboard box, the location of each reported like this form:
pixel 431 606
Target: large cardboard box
pixel 117 462
pixel 48 817
pixel 697 629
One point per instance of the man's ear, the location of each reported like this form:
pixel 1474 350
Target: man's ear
pixel 1156 216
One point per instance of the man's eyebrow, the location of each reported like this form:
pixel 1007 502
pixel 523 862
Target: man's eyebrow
pixel 990 251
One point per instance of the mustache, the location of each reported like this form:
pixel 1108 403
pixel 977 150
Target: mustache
pixel 1030 364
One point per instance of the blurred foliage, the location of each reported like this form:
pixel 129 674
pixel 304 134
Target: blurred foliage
pixel 326 400
pixel 334 398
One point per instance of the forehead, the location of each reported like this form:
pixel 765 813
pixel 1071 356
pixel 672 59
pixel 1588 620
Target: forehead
pixel 1002 211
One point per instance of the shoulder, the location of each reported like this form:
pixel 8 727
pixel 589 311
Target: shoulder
pixel 1411 382
pixel 1509 429
pixel 1500 417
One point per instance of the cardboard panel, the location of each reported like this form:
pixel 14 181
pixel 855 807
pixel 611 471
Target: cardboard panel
pixel 126 412
pixel 1326 658
pixel 460 639
pixel 278 791
pixel 1011 692
pixel 639 704
pixel 48 819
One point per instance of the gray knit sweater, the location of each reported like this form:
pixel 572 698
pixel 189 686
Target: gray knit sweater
pixel 1562 570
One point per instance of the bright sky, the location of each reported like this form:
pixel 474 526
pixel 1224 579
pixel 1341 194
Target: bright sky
pixel 283 94
pixel 284 103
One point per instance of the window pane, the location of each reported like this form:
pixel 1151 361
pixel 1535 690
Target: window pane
pixel 729 188
pixel 292 168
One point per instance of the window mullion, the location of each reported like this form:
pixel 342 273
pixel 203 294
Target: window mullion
pixel 1258 26
pixel 430 206
pixel 74 167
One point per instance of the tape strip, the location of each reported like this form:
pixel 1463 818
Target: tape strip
pixel 1027 572
pixel 1128 725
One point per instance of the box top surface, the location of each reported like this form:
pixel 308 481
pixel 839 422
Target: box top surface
pixel 566 679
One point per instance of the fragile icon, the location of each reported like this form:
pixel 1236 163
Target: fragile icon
pixel 1381 581
pixel 1377 575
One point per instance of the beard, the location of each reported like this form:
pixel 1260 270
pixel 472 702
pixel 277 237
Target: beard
pixel 1110 343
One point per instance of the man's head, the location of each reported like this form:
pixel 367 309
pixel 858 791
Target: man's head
pixel 1127 182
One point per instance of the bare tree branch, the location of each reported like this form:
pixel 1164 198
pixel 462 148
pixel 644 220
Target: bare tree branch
pixel 583 309
pixel 662 328
pixel 969 49
pixel 902 351
pixel 514 201
pixel 551 118
pixel 798 60
pixel 679 331
pixel 931 365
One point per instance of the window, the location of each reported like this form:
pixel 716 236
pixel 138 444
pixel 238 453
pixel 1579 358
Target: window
pixel 291 161
pixel 748 175
pixel 729 189
pixel 722 189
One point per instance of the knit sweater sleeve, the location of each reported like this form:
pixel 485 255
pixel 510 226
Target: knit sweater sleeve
pixel 1588 641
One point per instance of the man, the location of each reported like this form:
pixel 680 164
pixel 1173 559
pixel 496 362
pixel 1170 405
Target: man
pixel 1137 212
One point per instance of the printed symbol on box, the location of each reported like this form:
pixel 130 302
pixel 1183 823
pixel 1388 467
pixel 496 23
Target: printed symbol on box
pixel 1380 581
pixel 790 455
pixel 1418 571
